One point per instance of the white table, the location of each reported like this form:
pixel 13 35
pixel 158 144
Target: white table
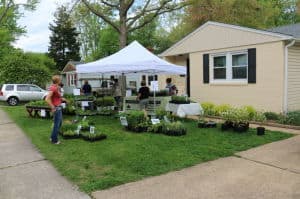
pixel 183 110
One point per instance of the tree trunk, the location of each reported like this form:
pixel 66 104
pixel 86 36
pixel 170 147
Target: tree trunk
pixel 123 38
pixel 123 25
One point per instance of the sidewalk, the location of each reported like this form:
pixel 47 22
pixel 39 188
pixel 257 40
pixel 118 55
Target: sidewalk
pixel 24 173
pixel 271 171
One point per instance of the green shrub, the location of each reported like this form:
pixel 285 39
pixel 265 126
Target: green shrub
pixel 293 118
pixel 236 115
pixel 219 109
pixel 259 117
pixel 134 118
pixel 208 108
pixel 271 116
pixel 251 111
pixel 68 127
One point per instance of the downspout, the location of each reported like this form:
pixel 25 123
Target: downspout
pixel 286 67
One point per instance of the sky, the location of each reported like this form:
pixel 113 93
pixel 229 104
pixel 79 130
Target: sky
pixel 37 26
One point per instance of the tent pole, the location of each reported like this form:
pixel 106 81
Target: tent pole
pixel 154 97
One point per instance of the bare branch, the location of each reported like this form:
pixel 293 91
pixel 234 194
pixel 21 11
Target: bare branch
pixel 138 15
pixel 101 15
pixel 158 11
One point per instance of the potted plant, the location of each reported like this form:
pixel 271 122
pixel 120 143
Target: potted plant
pixel 229 117
pixel 156 128
pixel 180 100
pixel 260 117
pixel 174 129
pixel 92 137
pixel 241 120
pixel 134 118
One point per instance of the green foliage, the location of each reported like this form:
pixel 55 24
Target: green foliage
pixel 64 45
pixel 271 116
pixel 219 109
pixel 39 103
pixel 208 108
pixel 135 117
pixel 18 67
pixel 293 118
pixel 259 117
pixel 180 99
pixel 85 98
pixel 68 127
pixel 105 101
pixel 44 60
pixel 236 115
pixel 93 136
pixel 251 111
pixel 174 129
pixel 160 113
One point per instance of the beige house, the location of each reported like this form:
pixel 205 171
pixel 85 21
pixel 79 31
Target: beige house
pixel 241 66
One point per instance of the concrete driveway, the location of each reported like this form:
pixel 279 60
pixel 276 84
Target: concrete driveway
pixel 271 171
pixel 24 173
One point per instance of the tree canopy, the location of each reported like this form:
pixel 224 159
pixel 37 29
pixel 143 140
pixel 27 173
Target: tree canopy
pixel 126 16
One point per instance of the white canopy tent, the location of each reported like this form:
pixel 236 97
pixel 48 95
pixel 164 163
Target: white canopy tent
pixel 132 59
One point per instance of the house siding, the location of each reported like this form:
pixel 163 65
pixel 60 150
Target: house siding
pixel 294 78
pixel 266 94
pixel 217 37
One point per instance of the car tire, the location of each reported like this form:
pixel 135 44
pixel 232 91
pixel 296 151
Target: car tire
pixel 13 101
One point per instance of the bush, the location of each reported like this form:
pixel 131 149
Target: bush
pixel 208 108
pixel 19 67
pixel 251 111
pixel 219 109
pixel 293 118
pixel 271 116
pixel 259 117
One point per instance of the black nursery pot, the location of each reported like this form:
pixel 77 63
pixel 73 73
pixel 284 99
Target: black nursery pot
pixel 225 127
pixel 260 130
pixel 202 124
pixel 241 127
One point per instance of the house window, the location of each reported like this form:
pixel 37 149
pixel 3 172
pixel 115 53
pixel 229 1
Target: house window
pixel 72 79
pixel 151 78
pixel 239 66
pixel 229 67
pixel 220 67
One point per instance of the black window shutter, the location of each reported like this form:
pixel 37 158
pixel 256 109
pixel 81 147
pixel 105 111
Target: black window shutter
pixel 206 68
pixel 188 77
pixel 252 65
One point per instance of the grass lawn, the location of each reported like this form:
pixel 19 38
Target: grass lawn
pixel 126 156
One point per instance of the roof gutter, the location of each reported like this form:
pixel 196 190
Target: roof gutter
pixel 286 67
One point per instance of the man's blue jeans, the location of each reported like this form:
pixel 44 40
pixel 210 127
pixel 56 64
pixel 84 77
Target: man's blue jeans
pixel 57 117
